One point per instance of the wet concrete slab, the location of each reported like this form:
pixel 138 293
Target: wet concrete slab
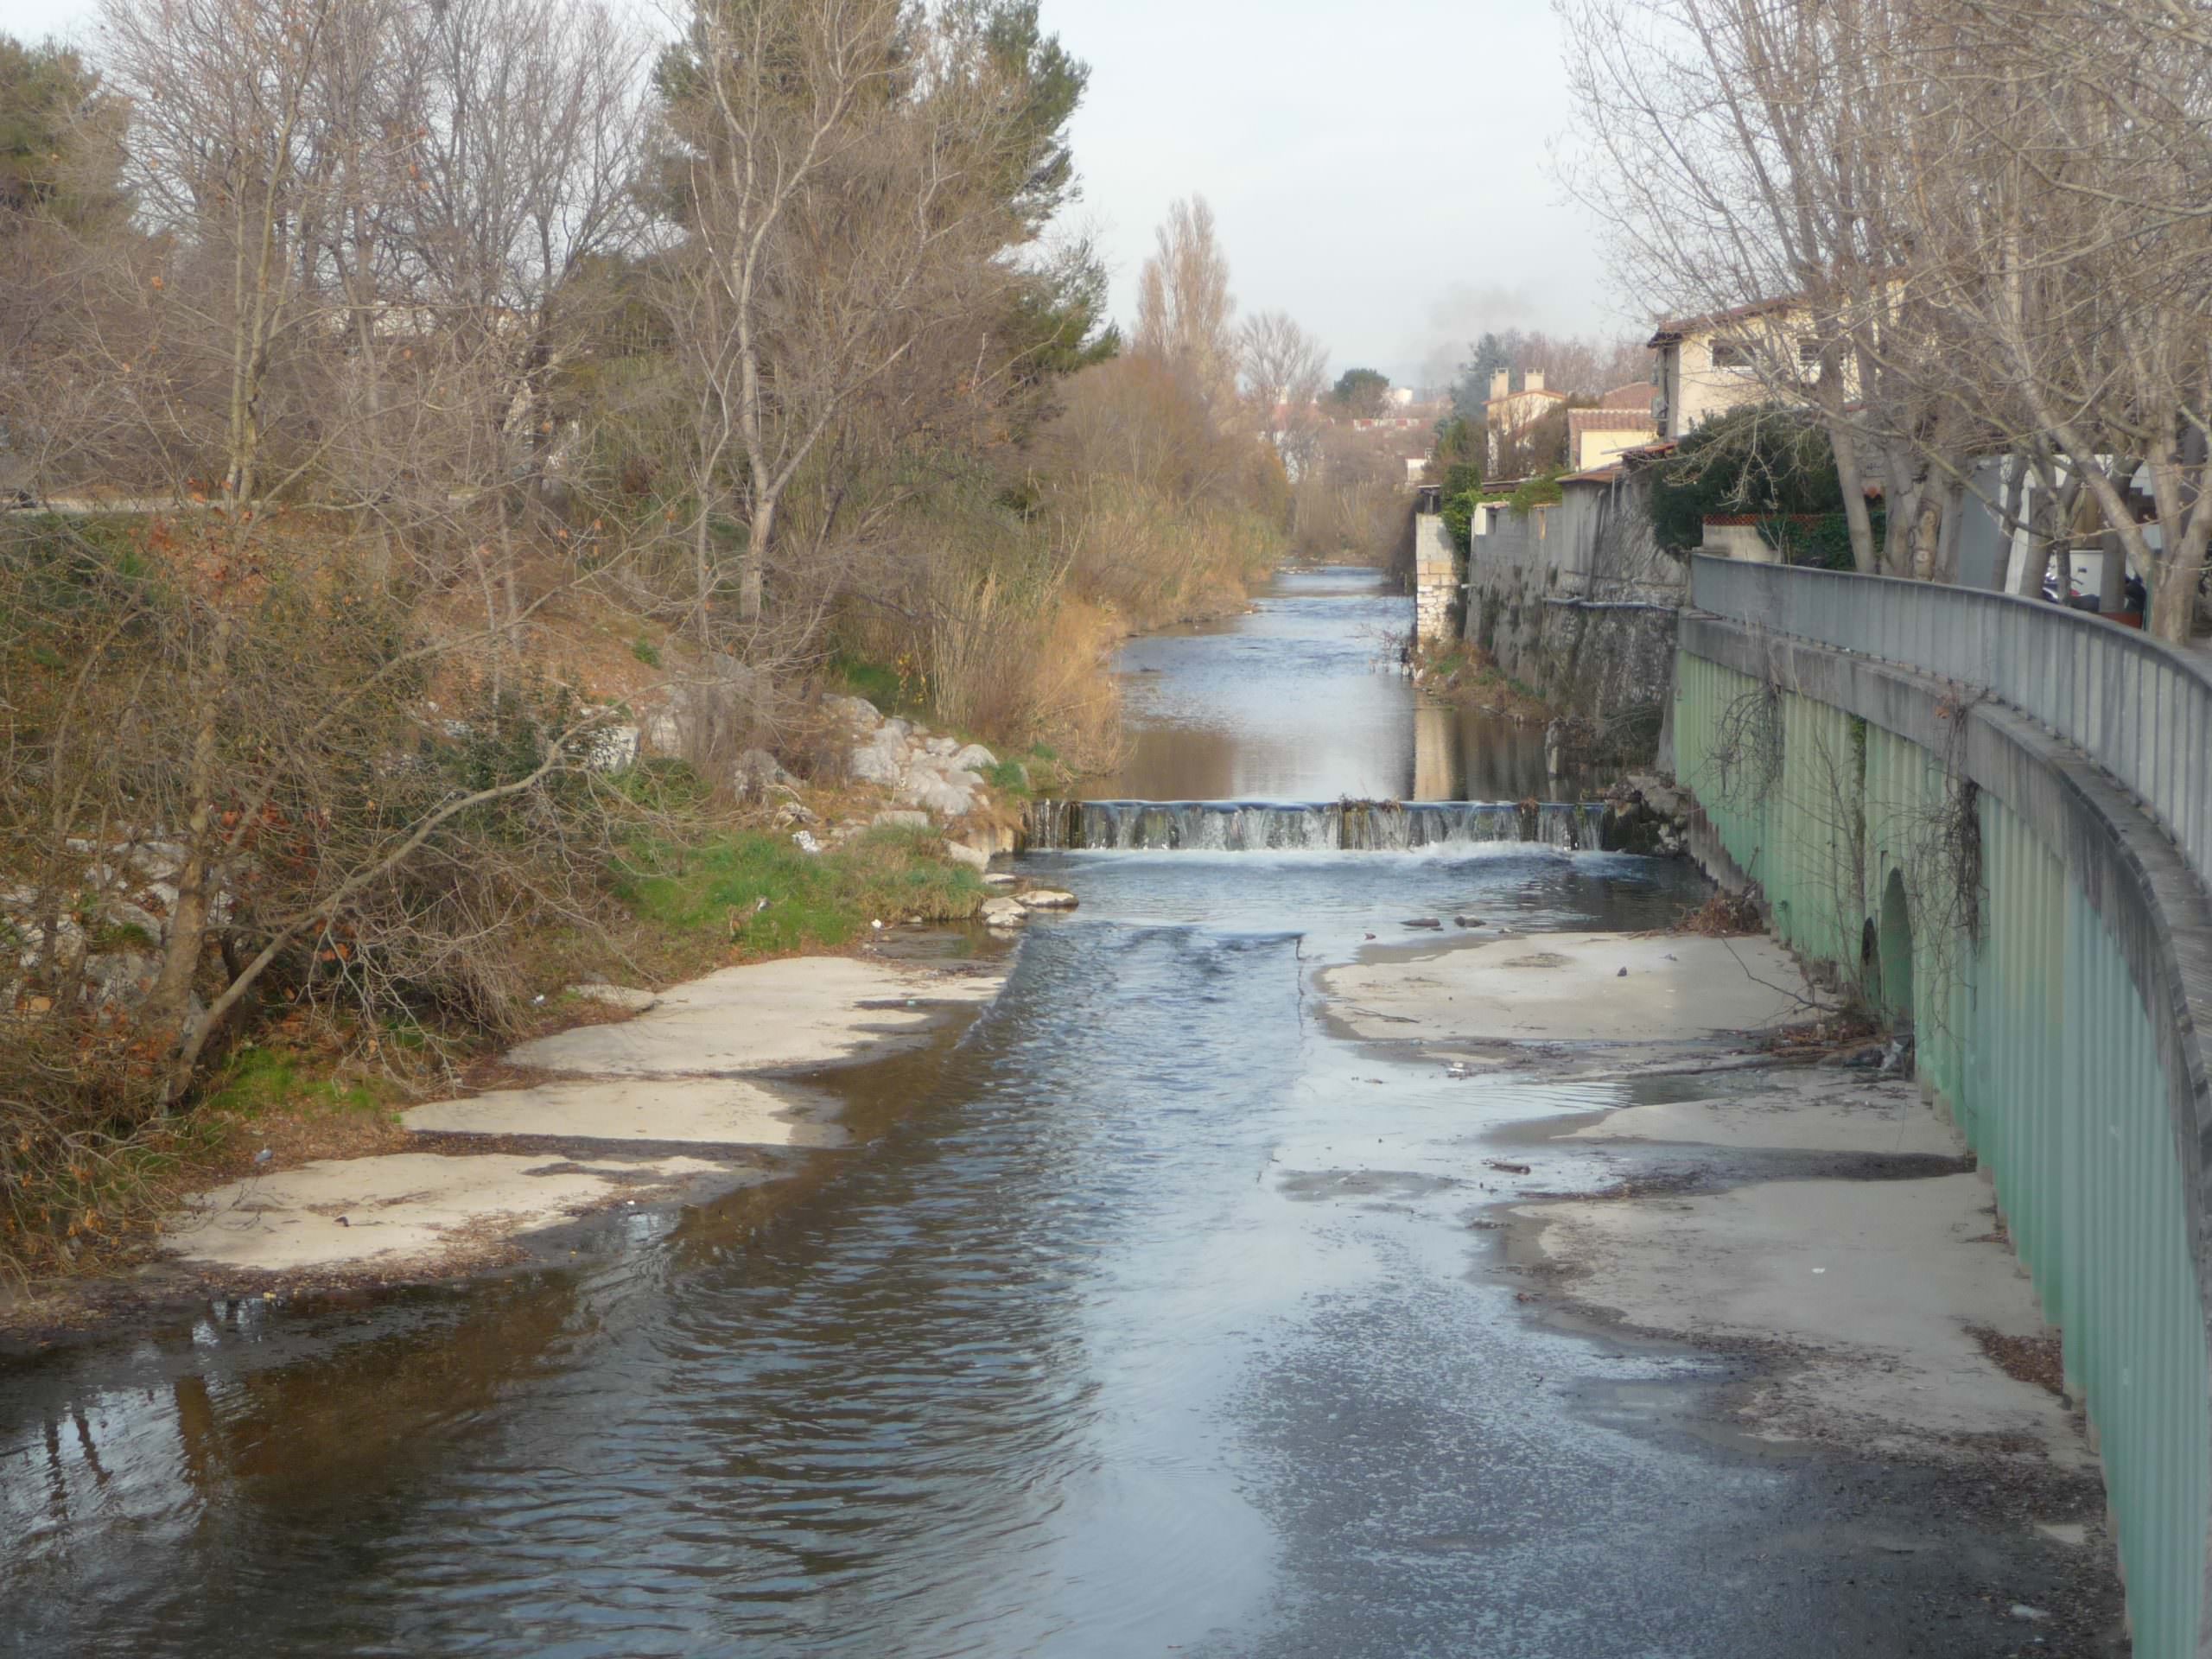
pixel 1582 987
pixel 701 1111
pixel 417 1211
pixel 1820 1108
pixel 647 1114
pixel 805 1012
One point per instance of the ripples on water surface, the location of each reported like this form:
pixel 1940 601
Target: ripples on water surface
pixel 1150 1324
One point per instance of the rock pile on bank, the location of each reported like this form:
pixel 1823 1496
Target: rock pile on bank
pixel 105 932
pixel 936 774
pixel 932 781
pixel 1645 815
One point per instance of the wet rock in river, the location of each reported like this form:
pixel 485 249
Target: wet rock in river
pixel 1048 899
pixel 1422 921
pixel 1645 815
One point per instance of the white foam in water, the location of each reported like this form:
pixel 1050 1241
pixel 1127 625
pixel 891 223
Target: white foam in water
pixel 1314 826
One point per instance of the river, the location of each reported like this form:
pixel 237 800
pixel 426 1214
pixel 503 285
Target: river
pixel 1154 1321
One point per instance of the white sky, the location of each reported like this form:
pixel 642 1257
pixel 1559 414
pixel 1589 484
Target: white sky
pixel 1377 167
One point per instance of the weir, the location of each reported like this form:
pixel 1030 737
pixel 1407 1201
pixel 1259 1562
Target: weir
pixel 1306 827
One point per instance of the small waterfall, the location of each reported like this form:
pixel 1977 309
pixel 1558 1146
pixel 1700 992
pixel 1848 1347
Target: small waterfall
pixel 1296 827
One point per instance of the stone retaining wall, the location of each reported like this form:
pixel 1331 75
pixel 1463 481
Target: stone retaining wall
pixel 1572 601
pixel 1436 583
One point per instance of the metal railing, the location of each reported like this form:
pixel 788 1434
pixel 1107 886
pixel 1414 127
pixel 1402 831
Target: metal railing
pixel 2138 708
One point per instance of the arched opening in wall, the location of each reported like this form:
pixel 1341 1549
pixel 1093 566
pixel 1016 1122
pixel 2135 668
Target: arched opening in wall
pixel 1894 954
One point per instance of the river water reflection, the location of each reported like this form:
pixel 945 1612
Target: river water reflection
pixel 1298 700
pixel 1153 1323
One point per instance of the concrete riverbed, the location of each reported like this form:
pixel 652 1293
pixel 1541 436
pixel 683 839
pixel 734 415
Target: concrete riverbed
pixel 1823 1225
pixel 1251 1273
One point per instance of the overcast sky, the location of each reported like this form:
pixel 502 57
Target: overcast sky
pixel 1377 166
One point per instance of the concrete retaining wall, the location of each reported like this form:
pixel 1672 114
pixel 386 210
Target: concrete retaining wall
pixel 2061 990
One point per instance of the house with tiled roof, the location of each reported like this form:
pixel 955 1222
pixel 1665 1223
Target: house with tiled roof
pixel 1508 415
pixel 1711 364
pixel 1598 437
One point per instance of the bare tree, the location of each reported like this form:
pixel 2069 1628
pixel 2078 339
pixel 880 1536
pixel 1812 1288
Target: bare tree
pixel 297 314
pixel 1772 214
pixel 1971 235
pixel 848 172
pixel 525 172
pixel 1284 371
pixel 2060 221
pixel 1184 309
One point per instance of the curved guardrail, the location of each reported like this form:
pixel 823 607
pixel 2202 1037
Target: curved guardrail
pixel 2073 1038
pixel 2139 708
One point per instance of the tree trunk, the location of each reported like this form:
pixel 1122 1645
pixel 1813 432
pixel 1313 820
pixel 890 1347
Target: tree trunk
pixel 1856 518
pixel 1927 531
pixel 2021 565
pixel 513 625
pixel 749 582
pixel 168 1006
pixel 2173 597
pixel 702 561
pixel 1902 498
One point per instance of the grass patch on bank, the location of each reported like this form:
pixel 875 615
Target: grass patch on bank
pixel 1467 673
pixel 302 1095
pixel 1037 774
pixel 712 893
pixel 258 1080
pixel 892 690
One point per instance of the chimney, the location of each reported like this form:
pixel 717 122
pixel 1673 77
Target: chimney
pixel 1501 382
pixel 1534 381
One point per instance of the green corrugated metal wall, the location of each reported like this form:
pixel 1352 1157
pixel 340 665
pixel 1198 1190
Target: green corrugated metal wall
pixel 2039 1040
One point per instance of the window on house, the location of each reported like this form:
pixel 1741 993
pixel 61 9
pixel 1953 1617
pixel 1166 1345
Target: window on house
pixel 1730 354
pixel 1808 352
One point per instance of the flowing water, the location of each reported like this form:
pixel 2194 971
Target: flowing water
pixel 1152 1322
pixel 1296 702
pixel 1306 827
